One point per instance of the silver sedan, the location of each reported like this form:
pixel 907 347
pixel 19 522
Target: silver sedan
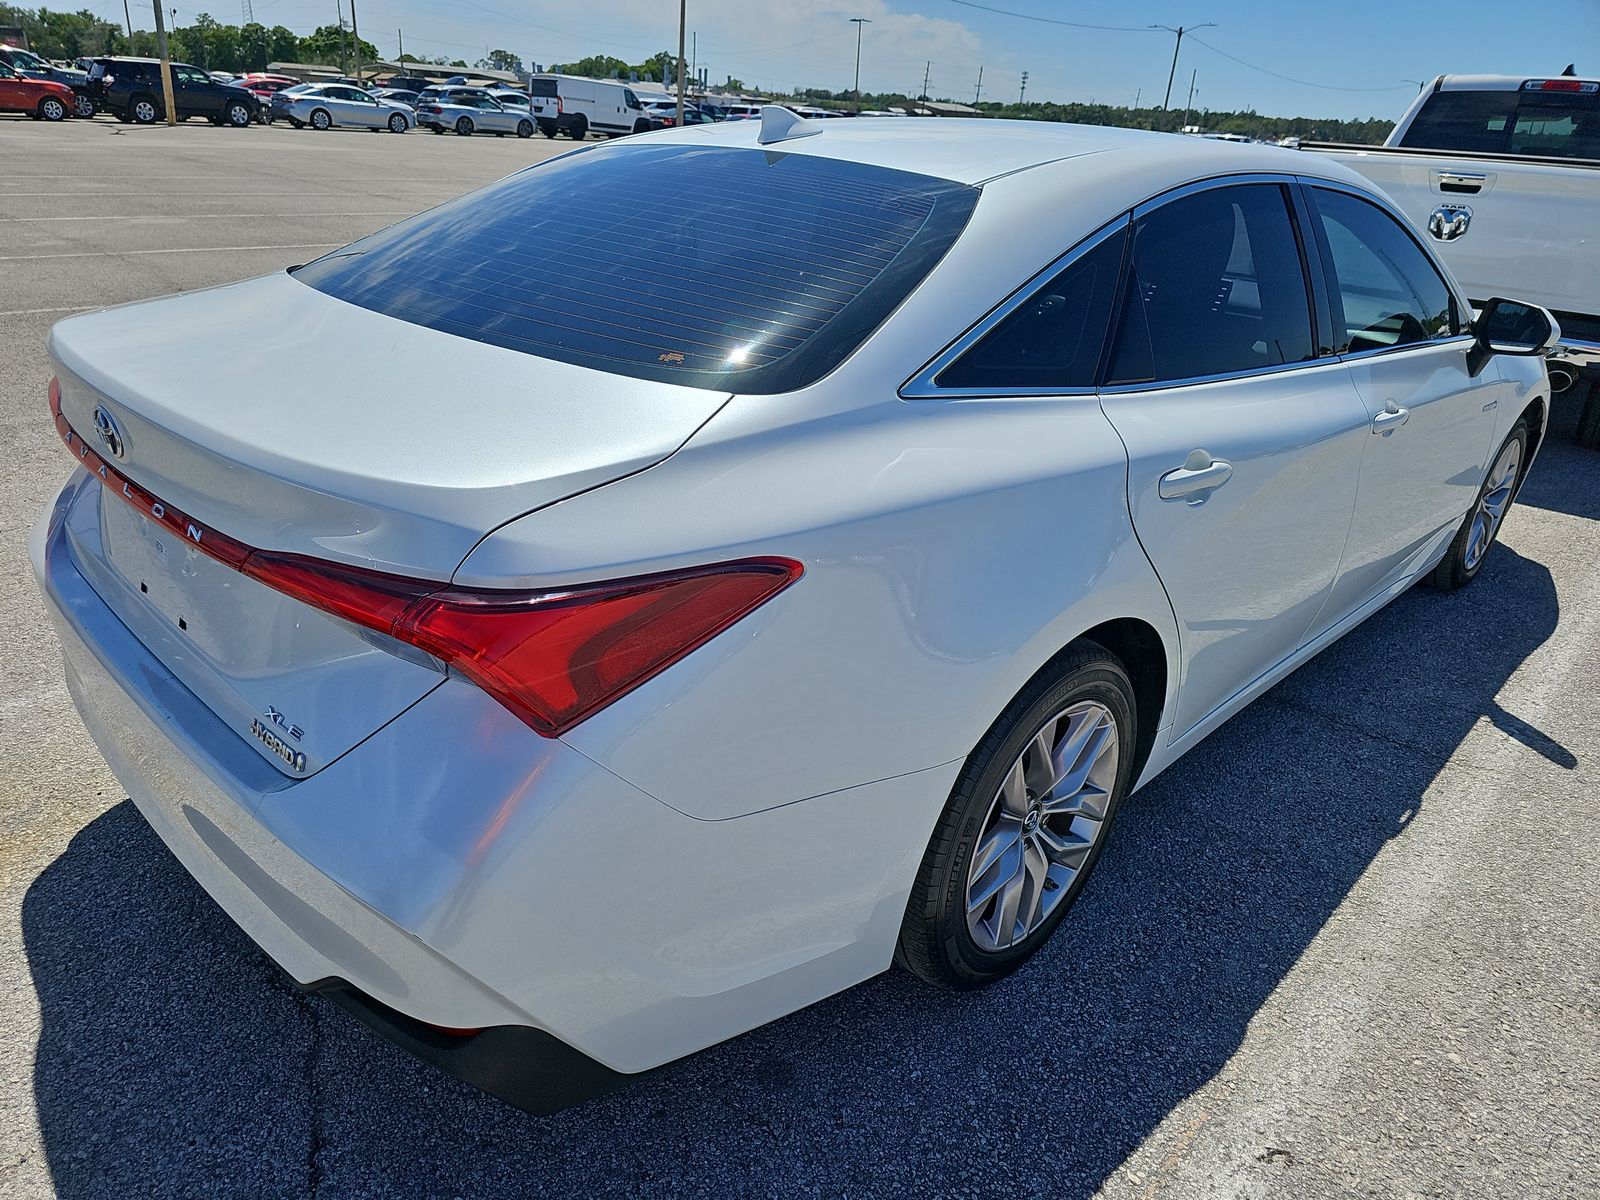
pixel 468 114
pixel 324 105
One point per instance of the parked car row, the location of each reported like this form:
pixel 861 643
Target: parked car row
pixel 131 90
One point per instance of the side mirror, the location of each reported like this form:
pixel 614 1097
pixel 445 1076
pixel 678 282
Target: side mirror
pixel 1511 327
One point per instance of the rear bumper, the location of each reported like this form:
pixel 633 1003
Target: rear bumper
pixel 456 870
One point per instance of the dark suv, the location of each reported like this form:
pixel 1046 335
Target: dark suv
pixel 131 89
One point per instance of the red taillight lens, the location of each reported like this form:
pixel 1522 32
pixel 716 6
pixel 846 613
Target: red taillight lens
pixel 552 658
pixel 555 658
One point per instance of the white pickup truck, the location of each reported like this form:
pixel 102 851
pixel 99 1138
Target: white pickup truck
pixel 1503 173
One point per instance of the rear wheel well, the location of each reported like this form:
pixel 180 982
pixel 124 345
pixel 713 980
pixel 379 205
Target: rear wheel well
pixel 1144 656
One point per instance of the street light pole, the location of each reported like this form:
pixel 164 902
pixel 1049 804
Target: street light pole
pixel 1180 30
pixel 858 22
pixel 683 21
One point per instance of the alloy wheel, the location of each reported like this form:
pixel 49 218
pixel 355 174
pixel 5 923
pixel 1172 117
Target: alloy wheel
pixel 1492 504
pixel 1043 825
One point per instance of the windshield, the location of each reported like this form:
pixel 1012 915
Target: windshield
pixel 737 269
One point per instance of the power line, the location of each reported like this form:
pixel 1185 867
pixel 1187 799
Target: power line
pixel 1006 12
pixel 1327 87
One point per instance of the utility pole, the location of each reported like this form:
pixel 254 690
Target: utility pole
pixel 128 17
pixel 1177 46
pixel 1137 93
pixel 1024 90
pixel 400 36
pixel 978 91
pixel 166 66
pixel 1190 102
pixel 926 71
pixel 860 23
pixel 355 40
pixel 344 61
pixel 694 54
pixel 683 21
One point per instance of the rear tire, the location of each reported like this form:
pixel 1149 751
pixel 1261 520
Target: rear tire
pixel 548 128
pixel 1588 434
pixel 578 129
pixel 1082 708
pixel 144 110
pixel 1470 547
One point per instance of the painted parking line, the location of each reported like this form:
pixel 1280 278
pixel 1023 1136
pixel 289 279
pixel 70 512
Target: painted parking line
pixel 231 216
pixel 29 312
pixel 175 250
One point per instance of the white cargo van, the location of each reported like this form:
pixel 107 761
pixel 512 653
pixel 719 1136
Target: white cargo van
pixel 586 106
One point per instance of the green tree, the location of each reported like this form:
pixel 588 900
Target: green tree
pixel 501 60
pixel 598 66
pixel 283 45
pixel 331 44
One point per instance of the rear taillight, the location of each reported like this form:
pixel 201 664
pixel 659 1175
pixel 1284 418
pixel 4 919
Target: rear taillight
pixel 551 657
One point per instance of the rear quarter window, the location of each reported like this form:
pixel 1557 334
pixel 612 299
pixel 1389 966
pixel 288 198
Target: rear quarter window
pixel 739 269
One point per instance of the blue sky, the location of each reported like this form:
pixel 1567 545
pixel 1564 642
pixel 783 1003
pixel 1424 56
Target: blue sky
pixel 1360 52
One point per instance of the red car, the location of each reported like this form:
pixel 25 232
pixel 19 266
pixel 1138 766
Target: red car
pixel 261 85
pixel 36 97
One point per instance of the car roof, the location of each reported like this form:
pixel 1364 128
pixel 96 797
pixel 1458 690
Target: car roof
pixel 976 150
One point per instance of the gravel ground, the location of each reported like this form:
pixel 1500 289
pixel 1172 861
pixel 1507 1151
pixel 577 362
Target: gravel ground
pixel 1350 947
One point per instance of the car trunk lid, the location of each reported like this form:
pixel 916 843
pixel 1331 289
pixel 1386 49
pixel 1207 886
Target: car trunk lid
pixel 265 426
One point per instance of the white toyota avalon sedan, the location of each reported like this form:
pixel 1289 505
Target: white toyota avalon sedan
pixel 687 609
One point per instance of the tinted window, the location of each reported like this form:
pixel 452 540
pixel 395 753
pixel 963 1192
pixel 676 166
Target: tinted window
pixel 542 86
pixel 1558 125
pixel 1551 124
pixel 1385 292
pixel 1466 121
pixel 1216 286
pixel 191 75
pixel 1053 338
pixel 750 270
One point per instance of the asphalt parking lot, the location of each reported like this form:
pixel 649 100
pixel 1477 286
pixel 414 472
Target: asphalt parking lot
pixel 1350 946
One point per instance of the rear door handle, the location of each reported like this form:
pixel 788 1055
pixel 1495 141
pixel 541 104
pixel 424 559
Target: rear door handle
pixel 1390 419
pixel 1199 476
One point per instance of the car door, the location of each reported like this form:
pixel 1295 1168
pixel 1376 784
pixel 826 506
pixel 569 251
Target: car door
pixel 494 117
pixel 1403 333
pixel 1244 445
pixel 195 92
pixel 12 95
pixel 364 110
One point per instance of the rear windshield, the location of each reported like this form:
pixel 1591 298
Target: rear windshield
pixel 738 269
pixel 1534 121
pixel 542 86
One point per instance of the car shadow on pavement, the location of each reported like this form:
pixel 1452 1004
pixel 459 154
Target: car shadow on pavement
pixel 174 1060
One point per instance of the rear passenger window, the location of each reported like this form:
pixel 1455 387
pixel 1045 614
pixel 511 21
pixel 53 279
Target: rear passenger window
pixel 1471 122
pixel 1384 291
pixel 1215 287
pixel 1053 338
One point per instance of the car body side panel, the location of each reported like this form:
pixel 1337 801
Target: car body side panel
pixel 951 548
